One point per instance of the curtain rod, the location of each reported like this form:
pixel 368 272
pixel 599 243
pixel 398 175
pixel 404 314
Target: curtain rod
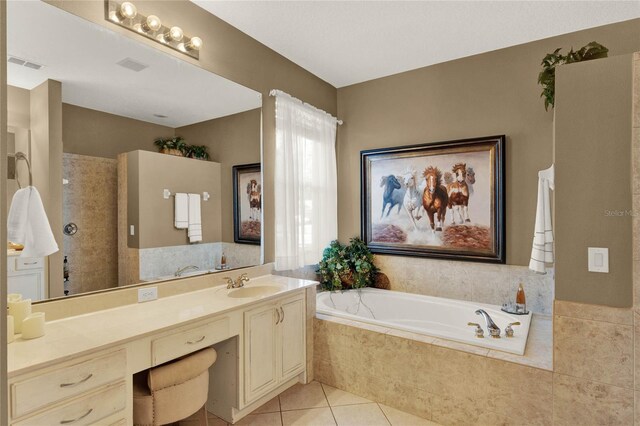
pixel 275 92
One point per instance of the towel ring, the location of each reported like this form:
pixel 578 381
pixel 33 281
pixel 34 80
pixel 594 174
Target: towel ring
pixel 22 156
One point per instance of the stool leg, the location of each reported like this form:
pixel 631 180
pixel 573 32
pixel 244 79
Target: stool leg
pixel 204 416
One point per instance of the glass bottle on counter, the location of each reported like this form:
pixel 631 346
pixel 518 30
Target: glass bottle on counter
pixel 521 300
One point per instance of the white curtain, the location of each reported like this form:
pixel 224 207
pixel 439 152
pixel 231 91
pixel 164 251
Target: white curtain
pixel 305 182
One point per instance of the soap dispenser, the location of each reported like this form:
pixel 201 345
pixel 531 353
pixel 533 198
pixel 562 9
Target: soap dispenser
pixel 521 300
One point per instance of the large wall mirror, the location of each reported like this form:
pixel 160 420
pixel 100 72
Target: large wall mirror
pixel 86 105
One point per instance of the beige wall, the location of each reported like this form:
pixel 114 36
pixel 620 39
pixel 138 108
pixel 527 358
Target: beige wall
pixel 487 94
pixel 593 179
pixel 232 54
pixel 148 174
pixel 18 105
pixel 232 140
pixel 46 165
pixel 100 134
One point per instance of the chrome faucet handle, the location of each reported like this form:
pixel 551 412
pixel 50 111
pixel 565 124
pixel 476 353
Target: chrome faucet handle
pixel 479 331
pixel 508 331
pixel 229 280
pixel 494 330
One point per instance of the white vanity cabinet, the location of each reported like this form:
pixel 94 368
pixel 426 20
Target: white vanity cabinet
pixel 26 276
pixel 274 345
pixel 80 392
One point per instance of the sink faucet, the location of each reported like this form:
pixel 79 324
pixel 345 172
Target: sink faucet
pixel 237 283
pixel 494 330
pixel 180 271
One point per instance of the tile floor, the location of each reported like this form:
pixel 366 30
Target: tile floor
pixel 317 404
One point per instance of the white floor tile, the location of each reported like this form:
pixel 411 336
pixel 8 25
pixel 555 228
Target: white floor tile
pixel 310 417
pixel 300 397
pixel 400 418
pixel 337 397
pixel 359 415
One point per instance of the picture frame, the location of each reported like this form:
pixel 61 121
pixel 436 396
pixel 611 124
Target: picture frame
pixel 442 200
pixel 247 203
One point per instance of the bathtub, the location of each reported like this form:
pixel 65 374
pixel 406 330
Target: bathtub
pixel 431 316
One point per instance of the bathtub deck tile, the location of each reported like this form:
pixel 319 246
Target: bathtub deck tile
pixel 411 336
pixel 463 347
pixel 539 350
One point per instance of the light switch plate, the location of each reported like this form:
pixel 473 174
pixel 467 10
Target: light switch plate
pixel 598 259
pixel 147 294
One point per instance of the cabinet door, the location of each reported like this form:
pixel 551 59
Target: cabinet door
pixel 29 285
pixel 292 342
pixel 260 351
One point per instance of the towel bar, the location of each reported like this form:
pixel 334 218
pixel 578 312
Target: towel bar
pixel 14 158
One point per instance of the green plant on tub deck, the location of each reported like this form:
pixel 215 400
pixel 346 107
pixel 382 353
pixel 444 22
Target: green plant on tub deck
pixel 348 266
pixel 547 77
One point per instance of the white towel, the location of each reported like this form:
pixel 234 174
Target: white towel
pixel 195 224
pixel 27 224
pixel 181 211
pixel 542 250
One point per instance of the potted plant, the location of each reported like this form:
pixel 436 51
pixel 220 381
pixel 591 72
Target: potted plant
pixel 198 152
pixel 172 146
pixel 347 266
pixel 547 77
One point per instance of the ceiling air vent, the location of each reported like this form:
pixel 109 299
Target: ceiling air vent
pixel 18 61
pixel 132 65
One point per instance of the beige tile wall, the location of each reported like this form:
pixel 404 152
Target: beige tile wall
pixel 438 383
pixel 635 148
pixel 90 201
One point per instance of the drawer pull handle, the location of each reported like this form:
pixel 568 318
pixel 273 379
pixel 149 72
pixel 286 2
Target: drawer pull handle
pixel 278 313
pixel 30 263
pixel 70 385
pixel 282 310
pixel 193 342
pixel 68 422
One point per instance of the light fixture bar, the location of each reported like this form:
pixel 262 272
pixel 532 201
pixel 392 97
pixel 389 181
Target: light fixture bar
pixel 127 15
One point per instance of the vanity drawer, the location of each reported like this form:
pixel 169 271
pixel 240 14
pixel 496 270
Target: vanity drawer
pixel 188 340
pixel 83 411
pixel 27 263
pixel 31 394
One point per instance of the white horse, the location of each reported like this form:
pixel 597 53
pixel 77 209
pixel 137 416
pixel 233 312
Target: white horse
pixel 413 197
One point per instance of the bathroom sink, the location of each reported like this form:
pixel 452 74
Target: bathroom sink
pixel 253 291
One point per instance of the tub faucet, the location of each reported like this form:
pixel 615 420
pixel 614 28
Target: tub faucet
pixel 494 330
pixel 180 271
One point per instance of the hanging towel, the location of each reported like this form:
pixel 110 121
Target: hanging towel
pixel 542 250
pixel 181 211
pixel 195 224
pixel 27 224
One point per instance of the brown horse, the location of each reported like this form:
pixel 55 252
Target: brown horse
pixel 458 192
pixel 435 198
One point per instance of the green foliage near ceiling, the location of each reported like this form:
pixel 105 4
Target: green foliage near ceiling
pixel 547 77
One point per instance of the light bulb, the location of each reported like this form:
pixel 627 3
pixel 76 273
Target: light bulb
pixel 127 11
pixel 194 44
pixel 151 24
pixel 174 34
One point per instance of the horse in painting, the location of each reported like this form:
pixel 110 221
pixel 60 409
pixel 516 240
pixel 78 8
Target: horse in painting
pixel 393 193
pixel 458 192
pixel 435 198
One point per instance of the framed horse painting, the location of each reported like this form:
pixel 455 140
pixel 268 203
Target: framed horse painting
pixel 247 203
pixel 441 199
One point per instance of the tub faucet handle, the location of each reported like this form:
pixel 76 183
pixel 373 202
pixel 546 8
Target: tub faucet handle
pixel 508 331
pixel 479 331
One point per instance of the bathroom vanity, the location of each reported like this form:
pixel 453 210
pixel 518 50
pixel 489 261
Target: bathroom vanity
pixel 81 371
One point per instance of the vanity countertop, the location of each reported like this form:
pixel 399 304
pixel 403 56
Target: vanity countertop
pixel 81 334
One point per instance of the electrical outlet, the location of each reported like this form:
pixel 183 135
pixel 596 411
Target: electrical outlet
pixel 147 294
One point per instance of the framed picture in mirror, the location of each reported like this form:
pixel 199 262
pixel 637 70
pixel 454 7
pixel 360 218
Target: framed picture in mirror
pixel 247 203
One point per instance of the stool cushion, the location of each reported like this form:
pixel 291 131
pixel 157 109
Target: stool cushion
pixel 180 371
pixel 173 391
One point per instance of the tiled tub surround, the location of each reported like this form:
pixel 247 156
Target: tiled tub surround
pixel 591 382
pixel 472 281
pixel 165 261
pixel 90 201
pixel 439 380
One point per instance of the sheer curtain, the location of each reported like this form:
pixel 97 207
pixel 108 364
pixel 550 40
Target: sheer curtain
pixel 305 182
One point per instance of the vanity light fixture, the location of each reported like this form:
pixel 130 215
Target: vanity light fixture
pixel 125 14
